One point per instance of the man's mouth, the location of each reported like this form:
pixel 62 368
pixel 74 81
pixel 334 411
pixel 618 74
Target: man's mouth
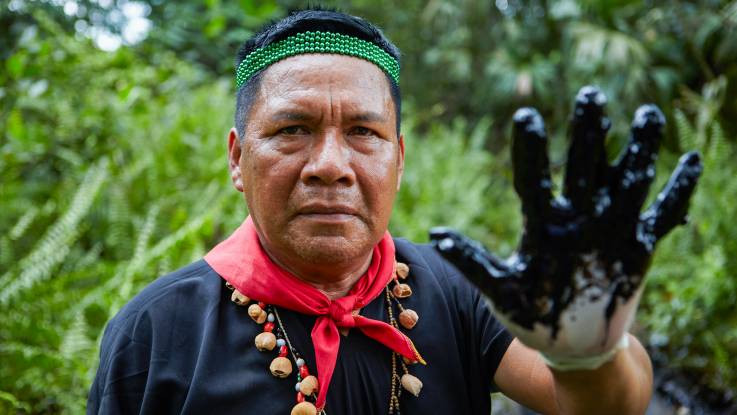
pixel 328 212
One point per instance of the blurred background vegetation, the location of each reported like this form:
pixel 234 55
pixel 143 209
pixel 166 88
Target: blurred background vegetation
pixel 113 117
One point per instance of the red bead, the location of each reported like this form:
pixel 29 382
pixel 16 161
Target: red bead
pixel 283 351
pixel 300 397
pixel 262 305
pixel 304 372
pixel 269 327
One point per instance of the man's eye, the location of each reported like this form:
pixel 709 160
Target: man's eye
pixel 362 131
pixel 293 130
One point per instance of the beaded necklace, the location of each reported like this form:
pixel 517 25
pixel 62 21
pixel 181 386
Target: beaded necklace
pixel 275 335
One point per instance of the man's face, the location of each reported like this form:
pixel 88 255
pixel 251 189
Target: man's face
pixel 321 161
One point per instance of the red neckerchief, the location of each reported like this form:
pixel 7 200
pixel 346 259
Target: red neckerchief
pixel 242 262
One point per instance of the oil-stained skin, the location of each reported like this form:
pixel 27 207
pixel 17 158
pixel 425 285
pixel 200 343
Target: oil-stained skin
pixel 595 229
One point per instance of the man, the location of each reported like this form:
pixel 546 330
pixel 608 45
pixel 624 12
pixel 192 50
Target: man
pixel 311 306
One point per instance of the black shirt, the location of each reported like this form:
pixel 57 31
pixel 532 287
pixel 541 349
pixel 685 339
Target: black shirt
pixel 182 347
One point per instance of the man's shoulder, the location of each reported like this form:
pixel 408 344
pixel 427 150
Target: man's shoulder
pixel 424 259
pixel 193 287
pixel 420 254
pixel 167 315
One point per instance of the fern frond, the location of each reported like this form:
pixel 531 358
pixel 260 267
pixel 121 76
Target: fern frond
pixel 23 223
pixel 164 265
pixel 92 255
pixel 479 134
pixel 54 245
pixel 719 148
pixel 79 259
pixel 119 217
pixel 6 240
pixel 687 139
pixel 162 248
pixel 127 272
pixel 169 242
pixel 75 342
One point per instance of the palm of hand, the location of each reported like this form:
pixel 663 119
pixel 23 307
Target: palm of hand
pixel 573 285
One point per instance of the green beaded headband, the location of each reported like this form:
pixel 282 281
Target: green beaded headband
pixel 315 42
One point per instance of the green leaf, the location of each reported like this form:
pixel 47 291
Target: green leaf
pixel 16 64
pixel 15 128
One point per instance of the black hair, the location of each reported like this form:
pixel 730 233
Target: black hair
pixel 309 20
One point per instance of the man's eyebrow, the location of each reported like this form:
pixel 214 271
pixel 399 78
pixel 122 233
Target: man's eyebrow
pixel 291 115
pixel 288 115
pixel 368 116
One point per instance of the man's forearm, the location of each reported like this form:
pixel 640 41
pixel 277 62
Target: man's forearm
pixel 622 386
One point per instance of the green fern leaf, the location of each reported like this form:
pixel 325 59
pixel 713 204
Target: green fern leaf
pixel 719 148
pixel 686 134
pixel 75 342
pixel 54 245
pixel 23 223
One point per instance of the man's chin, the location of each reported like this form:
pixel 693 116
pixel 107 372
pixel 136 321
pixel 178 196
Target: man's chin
pixel 333 248
pixel 327 225
pixel 320 241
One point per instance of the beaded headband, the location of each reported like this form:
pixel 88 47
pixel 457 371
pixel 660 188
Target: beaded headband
pixel 316 42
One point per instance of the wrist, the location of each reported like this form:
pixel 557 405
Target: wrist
pixel 569 363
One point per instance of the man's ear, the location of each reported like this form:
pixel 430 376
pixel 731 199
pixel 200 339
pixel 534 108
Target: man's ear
pixel 400 161
pixel 234 159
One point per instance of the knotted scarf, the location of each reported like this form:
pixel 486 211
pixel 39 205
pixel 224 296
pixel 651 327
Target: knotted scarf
pixel 242 261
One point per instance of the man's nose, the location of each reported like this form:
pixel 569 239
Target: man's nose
pixel 329 160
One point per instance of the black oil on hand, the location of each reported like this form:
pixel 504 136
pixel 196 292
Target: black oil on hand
pixel 593 239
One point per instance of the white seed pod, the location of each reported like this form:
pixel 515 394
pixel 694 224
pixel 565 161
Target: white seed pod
pixel 411 384
pixel 254 311
pixel 239 298
pixel 304 408
pixel 265 341
pixel 281 367
pixel 308 385
pixel 402 270
pixel 402 291
pixel 408 318
pixel 261 319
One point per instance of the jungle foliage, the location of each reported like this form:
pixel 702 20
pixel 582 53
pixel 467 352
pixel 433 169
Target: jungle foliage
pixel 113 164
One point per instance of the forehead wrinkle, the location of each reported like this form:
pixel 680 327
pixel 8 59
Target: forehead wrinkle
pixel 332 107
pixel 300 81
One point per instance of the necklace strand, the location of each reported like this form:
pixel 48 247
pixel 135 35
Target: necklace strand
pixel 407 318
pixel 284 331
pixel 289 343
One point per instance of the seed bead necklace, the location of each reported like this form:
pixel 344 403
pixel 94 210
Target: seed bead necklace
pixel 275 335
